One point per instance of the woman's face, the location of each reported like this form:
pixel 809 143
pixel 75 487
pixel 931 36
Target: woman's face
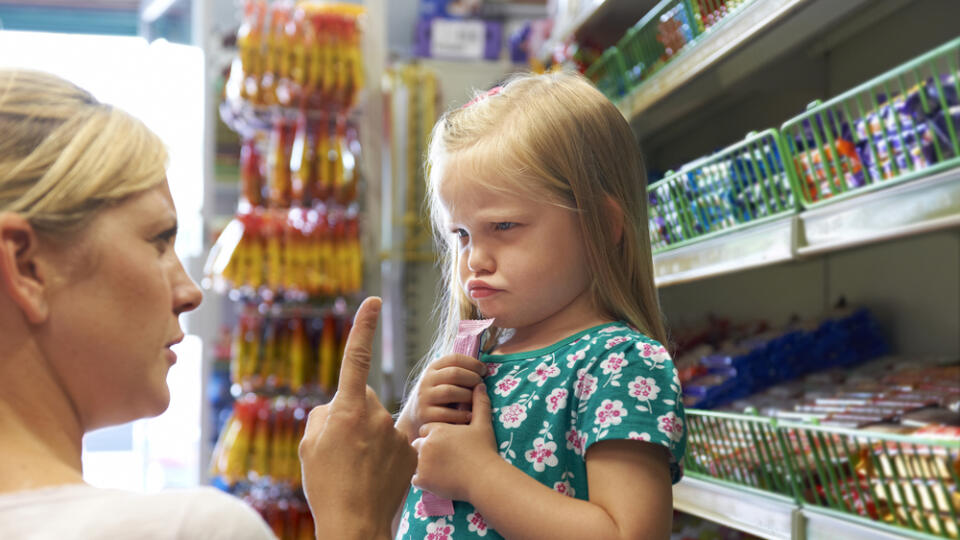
pixel 114 311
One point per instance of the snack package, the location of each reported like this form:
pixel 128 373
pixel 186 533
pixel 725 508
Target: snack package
pixel 467 343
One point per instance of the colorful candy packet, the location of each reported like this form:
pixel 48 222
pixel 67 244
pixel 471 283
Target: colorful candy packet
pixel 467 343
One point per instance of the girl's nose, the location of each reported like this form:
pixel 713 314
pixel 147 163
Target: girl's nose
pixel 480 260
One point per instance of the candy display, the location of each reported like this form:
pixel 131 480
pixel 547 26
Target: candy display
pixel 305 55
pixel 292 256
pixel 897 126
pixel 291 354
pixel 654 41
pixel 295 255
pixel 738 185
pixel 260 440
pixel 751 362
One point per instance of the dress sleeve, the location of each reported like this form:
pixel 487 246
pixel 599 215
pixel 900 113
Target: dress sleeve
pixel 630 390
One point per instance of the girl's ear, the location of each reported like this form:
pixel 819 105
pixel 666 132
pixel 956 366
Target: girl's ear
pixel 615 217
pixel 21 277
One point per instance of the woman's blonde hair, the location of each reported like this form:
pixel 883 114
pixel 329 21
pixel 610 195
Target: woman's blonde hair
pixel 553 137
pixel 64 155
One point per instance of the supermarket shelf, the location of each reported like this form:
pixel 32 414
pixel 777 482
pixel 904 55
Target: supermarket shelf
pixel 917 207
pixel 818 524
pixel 753 247
pixel 766 516
pixel 729 52
pixel 911 208
pixel 593 21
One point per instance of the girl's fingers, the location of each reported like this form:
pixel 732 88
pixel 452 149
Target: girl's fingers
pixel 457 376
pixel 461 361
pixel 445 415
pixel 446 394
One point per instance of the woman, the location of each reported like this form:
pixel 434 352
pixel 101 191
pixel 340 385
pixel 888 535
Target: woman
pixel 90 294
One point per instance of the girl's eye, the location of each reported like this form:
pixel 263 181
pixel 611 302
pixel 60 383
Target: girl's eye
pixel 504 225
pixel 461 233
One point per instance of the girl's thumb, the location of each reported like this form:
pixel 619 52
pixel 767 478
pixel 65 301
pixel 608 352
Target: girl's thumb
pixel 481 404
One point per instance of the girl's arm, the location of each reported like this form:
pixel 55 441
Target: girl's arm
pixel 629 482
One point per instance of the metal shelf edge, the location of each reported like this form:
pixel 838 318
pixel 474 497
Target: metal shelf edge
pixel 708 50
pixel 766 517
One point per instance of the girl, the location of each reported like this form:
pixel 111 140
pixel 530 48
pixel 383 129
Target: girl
pixel 538 193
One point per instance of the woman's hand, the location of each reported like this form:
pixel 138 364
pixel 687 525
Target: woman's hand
pixel 356 465
pixel 444 393
pixel 449 456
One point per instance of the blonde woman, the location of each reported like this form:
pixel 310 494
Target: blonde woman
pixel 538 197
pixel 90 295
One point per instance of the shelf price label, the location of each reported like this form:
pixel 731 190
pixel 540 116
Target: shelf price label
pixel 458 39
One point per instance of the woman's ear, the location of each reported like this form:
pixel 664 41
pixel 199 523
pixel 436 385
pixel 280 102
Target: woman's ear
pixel 615 217
pixel 21 277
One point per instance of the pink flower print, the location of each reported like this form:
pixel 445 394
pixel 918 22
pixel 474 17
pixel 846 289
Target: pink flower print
pixel 404 524
pixel 492 369
pixel 439 530
pixel 543 372
pixel 671 426
pixel 610 413
pixel 646 350
pixel 506 385
pixel 586 385
pixel 512 416
pixel 419 511
pixel 644 388
pixel 564 488
pixel 613 363
pixel 557 399
pixel 572 359
pixel 614 341
pixel 543 454
pixel 634 436
pixel 476 524
pixel 609 329
pixel 576 441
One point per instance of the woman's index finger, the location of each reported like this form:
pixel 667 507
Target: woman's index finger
pixel 358 352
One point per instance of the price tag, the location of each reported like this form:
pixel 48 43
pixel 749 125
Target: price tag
pixel 458 39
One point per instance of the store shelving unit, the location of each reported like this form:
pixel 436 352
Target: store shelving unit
pixel 729 54
pixel 923 206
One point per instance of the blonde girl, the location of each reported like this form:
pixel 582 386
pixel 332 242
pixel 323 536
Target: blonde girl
pixel 538 197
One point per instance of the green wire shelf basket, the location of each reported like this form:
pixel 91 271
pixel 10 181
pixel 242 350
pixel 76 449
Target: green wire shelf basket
pixel 899 126
pixel 908 482
pixel 904 484
pixel 744 184
pixel 607 73
pixel 656 38
pixel 707 13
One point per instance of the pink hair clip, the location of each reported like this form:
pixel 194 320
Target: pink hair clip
pixel 491 92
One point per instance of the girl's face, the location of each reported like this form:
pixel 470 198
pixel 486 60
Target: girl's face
pixel 114 311
pixel 521 261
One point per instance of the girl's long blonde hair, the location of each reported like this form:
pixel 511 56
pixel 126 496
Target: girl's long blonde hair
pixel 64 155
pixel 557 137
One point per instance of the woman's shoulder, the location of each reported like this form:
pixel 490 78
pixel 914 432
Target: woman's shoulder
pixel 177 513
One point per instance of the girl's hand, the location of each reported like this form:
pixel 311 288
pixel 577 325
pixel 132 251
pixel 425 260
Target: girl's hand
pixel 449 454
pixel 444 392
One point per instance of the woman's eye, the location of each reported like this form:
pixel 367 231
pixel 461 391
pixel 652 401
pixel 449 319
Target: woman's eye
pixel 504 225
pixel 164 240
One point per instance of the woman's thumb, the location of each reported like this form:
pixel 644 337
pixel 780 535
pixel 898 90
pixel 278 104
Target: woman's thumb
pixel 481 404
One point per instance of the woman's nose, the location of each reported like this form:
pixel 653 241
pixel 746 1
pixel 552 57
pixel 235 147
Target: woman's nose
pixel 186 295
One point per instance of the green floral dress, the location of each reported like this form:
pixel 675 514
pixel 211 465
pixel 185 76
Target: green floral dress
pixel 549 406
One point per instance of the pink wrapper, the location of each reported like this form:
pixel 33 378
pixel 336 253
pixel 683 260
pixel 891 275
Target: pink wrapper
pixel 467 343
